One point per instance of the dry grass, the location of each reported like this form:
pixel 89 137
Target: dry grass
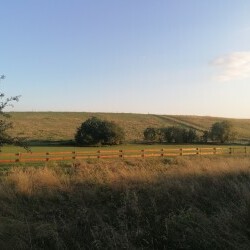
pixel 205 122
pixel 62 125
pixel 30 181
pixel 179 203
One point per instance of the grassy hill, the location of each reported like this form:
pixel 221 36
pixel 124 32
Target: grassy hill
pixel 56 126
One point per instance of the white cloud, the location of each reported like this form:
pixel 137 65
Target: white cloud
pixel 234 66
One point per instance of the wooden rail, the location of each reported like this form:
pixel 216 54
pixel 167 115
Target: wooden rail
pixel 104 154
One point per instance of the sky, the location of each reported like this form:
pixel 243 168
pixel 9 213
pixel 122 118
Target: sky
pixel 183 57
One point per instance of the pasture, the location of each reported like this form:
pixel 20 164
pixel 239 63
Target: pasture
pixel 60 127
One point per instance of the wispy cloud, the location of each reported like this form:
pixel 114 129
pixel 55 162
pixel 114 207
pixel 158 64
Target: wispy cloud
pixel 234 66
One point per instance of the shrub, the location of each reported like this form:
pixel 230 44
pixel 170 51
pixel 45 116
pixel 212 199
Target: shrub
pixel 5 124
pixel 179 135
pixel 95 131
pixel 150 134
pixel 205 136
pixel 191 135
pixel 222 132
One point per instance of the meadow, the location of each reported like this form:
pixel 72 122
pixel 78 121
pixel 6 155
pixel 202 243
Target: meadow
pixel 161 203
pixel 61 126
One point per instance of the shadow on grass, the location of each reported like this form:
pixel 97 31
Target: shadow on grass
pixel 195 211
pixel 48 143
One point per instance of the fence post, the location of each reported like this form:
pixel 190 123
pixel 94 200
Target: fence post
pixel 142 153
pixel 121 153
pixel 74 155
pixel 214 149
pixel 18 159
pixel 162 152
pixel 99 154
pixel 197 151
pixel 230 150
pixel 47 156
pixel 181 151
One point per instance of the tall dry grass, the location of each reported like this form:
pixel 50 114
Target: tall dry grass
pixel 179 203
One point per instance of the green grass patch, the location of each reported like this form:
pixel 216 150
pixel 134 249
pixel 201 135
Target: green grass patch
pixel 14 149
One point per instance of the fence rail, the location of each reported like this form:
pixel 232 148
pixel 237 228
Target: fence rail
pixel 104 154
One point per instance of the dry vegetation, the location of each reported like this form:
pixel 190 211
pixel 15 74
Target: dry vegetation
pixel 62 125
pixel 205 122
pixel 181 203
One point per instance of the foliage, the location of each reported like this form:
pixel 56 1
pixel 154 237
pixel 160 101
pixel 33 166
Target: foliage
pixel 168 134
pixel 111 133
pixel 171 134
pixel 205 136
pixel 151 134
pixel 222 132
pixel 189 135
pixel 95 131
pixel 5 124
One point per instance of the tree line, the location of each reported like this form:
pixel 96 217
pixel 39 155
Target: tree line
pixel 95 131
pixel 221 132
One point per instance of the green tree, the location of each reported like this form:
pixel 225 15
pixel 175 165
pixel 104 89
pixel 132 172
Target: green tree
pixel 95 131
pixel 5 123
pixel 174 134
pixel 168 134
pixel 205 136
pixel 179 135
pixel 191 135
pixel 222 132
pixel 111 133
pixel 150 134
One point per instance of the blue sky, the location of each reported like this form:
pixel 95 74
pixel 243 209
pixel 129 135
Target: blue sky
pixel 141 56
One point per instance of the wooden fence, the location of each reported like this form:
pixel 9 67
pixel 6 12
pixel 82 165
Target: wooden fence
pixel 103 154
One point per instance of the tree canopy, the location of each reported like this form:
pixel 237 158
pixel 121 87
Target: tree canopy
pixel 95 131
pixel 172 134
pixel 222 131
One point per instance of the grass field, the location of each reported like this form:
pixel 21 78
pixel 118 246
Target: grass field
pixel 54 126
pixel 139 146
pixel 242 126
pixel 61 126
pixel 169 203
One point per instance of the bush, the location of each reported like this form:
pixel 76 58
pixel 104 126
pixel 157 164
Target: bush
pixel 150 134
pixel 95 131
pixel 222 132
pixel 179 135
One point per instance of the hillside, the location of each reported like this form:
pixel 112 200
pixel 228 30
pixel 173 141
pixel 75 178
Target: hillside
pixel 56 126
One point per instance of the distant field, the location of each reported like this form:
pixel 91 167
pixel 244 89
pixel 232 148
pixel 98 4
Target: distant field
pixel 56 126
